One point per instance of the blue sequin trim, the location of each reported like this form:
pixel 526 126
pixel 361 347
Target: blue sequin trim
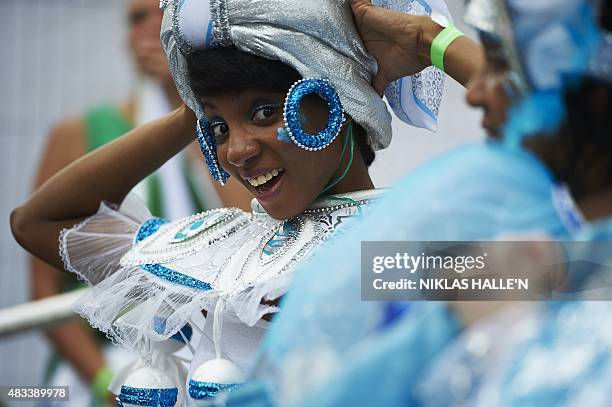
pixel 175 277
pixel 296 94
pixel 149 227
pixel 159 325
pixel 208 146
pixel 203 390
pixel 147 397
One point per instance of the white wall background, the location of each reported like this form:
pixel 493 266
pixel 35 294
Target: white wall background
pixel 57 57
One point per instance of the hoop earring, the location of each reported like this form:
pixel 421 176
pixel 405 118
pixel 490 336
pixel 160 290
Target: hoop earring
pixel 208 146
pixel 297 93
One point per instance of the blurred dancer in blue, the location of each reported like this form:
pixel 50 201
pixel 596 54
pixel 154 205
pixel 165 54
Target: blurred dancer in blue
pixel 545 170
pixel 561 353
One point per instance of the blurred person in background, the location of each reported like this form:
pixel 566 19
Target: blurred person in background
pixel 557 353
pixel 80 359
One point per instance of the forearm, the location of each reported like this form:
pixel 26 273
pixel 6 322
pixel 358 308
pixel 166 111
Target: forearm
pixel 462 57
pixel 107 174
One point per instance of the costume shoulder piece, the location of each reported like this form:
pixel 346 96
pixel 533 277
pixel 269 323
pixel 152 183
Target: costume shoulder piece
pixel 175 269
pixel 159 242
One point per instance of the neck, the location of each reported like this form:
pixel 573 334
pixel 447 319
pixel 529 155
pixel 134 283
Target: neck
pixel 596 206
pixel 357 178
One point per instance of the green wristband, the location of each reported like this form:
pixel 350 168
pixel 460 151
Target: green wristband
pixel 100 383
pixel 440 43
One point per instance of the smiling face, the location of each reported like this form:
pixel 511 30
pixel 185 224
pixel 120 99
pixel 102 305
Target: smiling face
pixel 284 178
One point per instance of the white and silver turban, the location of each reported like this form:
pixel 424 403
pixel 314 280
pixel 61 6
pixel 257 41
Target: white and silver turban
pixel 318 39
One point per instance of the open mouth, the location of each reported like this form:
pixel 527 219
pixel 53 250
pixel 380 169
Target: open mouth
pixel 267 181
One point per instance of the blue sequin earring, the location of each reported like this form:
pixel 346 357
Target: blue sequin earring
pixel 208 146
pixel 297 93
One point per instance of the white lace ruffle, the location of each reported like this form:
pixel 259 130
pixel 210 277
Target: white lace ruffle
pixel 93 248
pixel 129 305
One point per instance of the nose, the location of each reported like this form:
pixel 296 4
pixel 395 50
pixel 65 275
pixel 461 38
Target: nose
pixel 475 95
pixel 242 148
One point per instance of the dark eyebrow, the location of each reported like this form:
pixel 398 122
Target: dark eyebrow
pixel 206 104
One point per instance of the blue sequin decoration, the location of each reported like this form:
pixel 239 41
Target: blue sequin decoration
pixel 204 390
pixel 149 227
pixel 147 397
pixel 175 277
pixel 208 146
pixel 297 93
pixel 199 226
pixel 288 231
pixel 159 325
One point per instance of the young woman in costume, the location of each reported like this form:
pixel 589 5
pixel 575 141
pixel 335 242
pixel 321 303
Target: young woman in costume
pixel 282 100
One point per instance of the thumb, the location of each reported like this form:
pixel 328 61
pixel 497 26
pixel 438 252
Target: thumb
pixel 360 7
pixel 380 83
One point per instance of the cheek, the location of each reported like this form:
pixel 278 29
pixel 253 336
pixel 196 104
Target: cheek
pixel 313 170
pixel 222 157
pixel 499 102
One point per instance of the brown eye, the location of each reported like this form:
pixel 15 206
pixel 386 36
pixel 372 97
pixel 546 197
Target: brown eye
pixel 220 130
pixel 263 112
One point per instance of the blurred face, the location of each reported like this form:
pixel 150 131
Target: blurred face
pixel 284 178
pixel 491 88
pixel 144 22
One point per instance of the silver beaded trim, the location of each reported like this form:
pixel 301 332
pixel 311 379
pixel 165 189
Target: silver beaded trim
pixel 183 44
pixel 222 36
pixel 328 209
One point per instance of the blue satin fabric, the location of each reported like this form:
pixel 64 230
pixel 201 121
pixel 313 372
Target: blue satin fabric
pixel 475 192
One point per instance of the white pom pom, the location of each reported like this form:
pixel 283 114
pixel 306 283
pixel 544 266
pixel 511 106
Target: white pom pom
pixel 219 371
pixel 212 377
pixel 146 383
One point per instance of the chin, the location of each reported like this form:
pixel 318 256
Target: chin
pixel 280 211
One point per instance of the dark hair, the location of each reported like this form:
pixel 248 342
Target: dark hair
pixel 605 18
pixel 217 71
pixel 586 138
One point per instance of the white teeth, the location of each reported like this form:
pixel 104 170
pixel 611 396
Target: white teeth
pixel 262 179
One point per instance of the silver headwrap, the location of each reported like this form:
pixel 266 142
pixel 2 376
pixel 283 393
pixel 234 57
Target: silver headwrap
pixel 317 38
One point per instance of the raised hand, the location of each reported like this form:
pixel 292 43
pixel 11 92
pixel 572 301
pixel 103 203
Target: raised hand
pixel 400 42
